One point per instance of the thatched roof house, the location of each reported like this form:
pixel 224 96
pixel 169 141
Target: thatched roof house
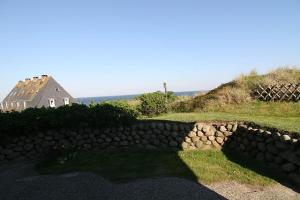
pixel 36 92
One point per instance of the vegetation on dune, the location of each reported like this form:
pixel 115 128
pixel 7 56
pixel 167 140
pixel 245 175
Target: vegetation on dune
pixel 239 90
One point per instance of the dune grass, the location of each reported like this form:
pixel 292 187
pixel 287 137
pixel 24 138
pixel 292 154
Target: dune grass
pixel 203 166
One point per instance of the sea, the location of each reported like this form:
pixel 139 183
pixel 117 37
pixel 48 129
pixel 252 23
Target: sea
pixel 89 100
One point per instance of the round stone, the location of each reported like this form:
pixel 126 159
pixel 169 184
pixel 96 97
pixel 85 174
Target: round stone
pixel 288 167
pixel 223 129
pixel 208 142
pixel 173 144
pixel 206 128
pixel 219 134
pixel 203 138
pixel 192 134
pixel 261 146
pixel 195 139
pixel 211 138
pixel 200 133
pixel 199 144
pixel 220 140
pixel 210 133
pixel 184 145
pixel 286 137
pixel 188 140
pixel 28 147
pixel 199 126
pixel 216 145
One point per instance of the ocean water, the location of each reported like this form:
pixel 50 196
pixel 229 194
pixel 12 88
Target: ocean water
pixel 88 100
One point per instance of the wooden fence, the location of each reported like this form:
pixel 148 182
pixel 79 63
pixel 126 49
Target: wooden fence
pixel 287 92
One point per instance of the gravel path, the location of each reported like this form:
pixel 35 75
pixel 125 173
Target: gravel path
pixel 20 181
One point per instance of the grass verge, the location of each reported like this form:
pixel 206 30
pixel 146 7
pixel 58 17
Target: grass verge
pixel 284 123
pixel 202 166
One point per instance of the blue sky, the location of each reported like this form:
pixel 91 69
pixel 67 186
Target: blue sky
pixel 96 48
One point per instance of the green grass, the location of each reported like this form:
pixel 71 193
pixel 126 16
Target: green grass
pixel 202 166
pixel 283 123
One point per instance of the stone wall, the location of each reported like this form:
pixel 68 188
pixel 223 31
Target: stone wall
pixel 279 149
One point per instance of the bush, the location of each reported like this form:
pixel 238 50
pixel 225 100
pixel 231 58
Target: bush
pixel 33 120
pixel 155 103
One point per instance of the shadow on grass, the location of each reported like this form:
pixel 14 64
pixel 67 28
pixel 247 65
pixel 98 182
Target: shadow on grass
pixel 258 166
pixel 130 165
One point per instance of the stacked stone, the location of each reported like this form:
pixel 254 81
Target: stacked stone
pixel 146 135
pixel 280 150
pixel 208 135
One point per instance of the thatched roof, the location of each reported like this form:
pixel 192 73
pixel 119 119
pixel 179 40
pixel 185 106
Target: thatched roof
pixel 27 90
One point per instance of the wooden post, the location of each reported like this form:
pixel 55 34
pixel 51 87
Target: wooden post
pixel 165 86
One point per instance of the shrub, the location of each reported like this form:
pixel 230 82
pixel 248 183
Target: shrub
pixel 33 120
pixel 155 103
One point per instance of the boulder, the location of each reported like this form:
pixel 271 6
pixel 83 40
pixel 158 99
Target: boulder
pixel 229 127
pixel 234 128
pixel 199 126
pixel 288 167
pixel 28 147
pixel 206 128
pixel 199 144
pixel 227 133
pixel 210 133
pixel 272 149
pixel 220 140
pixel 188 140
pixel 278 160
pixel 219 134
pixel 184 145
pixel 200 133
pixel 173 144
pixel 260 156
pixel 211 138
pixel 269 157
pixel 223 129
pixel 216 145
pixel 295 178
pixel 281 145
pixel 192 134
pixel 285 137
pixel 7 151
pixel 195 139
pixel 206 147
pixel 261 146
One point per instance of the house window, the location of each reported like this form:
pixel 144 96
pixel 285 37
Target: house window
pixel 18 104
pixel 52 103
pixel 25 105
pixel 6 104
pixel 12 104
pixel 66 101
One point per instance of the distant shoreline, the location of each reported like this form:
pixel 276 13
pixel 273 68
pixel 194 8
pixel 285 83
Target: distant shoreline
pixel 88 100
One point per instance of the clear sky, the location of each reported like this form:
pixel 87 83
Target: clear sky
pixel 97 48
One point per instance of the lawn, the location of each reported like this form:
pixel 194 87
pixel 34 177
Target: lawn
pixel 202 166
pixel 289 123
